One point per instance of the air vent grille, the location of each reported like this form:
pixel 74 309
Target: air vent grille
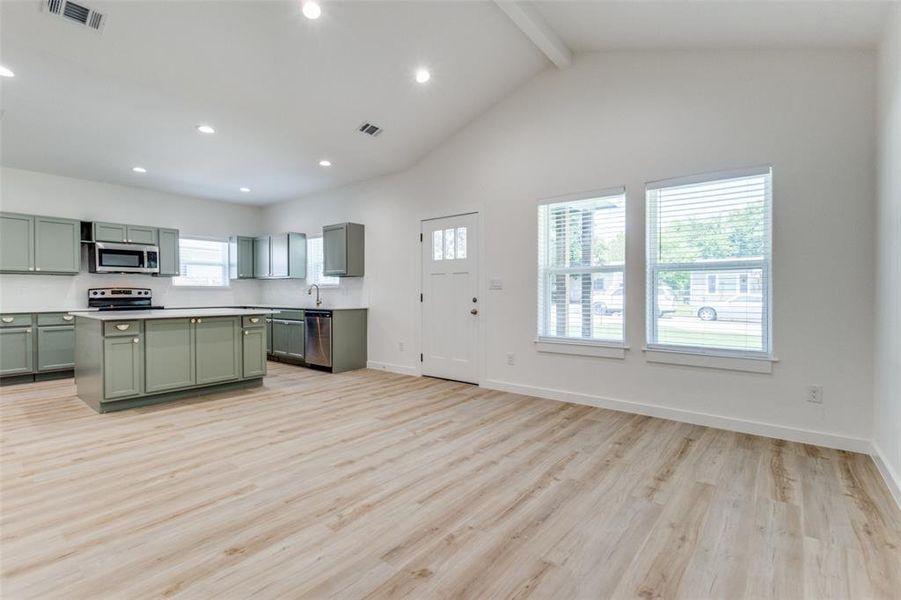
pixel 75 12
pixel 370 129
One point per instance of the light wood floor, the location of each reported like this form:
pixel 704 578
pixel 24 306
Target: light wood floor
pixel 373 485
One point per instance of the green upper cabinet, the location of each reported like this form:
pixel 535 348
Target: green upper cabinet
pixel 240 257
pixel 137 234
pixel 169 258
pixel 34 244
pixel 57 245
pixel 342 250
pixel 110 232
pixel 168 354
pixel 261 257
pixel 16 243
pixel 280 256
pixel 218 353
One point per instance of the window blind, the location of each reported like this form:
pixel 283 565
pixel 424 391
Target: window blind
pixel 203 263
pixel 709 253
pixel 315 266
pixel 581 255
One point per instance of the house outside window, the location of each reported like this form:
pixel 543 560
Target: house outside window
pixel 315 266
pixel 709 241
pixel 581 257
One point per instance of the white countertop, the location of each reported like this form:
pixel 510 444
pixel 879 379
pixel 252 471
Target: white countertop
pixel 170 313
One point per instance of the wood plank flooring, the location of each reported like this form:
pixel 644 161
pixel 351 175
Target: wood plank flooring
pixel 375 485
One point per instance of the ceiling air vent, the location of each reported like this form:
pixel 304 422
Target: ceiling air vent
pixel 370 129
pixel 76 13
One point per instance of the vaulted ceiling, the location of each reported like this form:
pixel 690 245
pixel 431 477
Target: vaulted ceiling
pixel 284 92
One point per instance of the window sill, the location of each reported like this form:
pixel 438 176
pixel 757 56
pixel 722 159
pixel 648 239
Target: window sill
pixel 594 349
pixel 710 361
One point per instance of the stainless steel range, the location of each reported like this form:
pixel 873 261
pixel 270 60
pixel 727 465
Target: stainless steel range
pixel 121 298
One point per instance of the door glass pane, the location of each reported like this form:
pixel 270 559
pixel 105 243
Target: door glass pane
pixel 437 245
pixel 449 243
pixel 461 242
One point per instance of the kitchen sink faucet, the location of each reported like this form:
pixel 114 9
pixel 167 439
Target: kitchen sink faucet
pixel 310 293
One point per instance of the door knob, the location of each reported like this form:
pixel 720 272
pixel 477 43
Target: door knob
pixel 474 311
pixel 136 340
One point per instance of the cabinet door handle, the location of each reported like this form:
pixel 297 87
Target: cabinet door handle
pixel 200 320
pixel 123 326
pixel 37 269
pixel 8 319
pixel 31 268
pixel 193 320
pixel 28 330
pixel 68 317
pixel 135 340
pixel 254 319
pixel 246 332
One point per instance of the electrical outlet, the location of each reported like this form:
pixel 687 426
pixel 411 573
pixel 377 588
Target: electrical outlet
pixel 511 359
pixel 815 394
pixel 400 346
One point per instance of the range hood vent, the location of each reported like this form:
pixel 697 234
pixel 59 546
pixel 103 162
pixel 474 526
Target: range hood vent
pixel 75 12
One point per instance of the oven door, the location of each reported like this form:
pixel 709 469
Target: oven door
pixel 124 258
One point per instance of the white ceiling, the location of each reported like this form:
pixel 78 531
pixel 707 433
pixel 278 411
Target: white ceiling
pixel 677 24
pixel 284 92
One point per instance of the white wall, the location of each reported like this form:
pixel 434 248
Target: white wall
pixel 624 119
pixel 887 434
pixel 43 194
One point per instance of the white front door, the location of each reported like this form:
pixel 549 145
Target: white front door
pixel 450 303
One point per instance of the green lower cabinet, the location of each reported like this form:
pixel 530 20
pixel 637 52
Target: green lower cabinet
pixel 56 347
pixel 254 351
pixel 123 367
pixel 168 355
pixel 288 339
pixel 16 351
pixel 218 349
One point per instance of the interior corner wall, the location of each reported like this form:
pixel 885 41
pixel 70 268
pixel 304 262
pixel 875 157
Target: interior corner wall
pixel 626 118
pixel 43 194
pixel 887 430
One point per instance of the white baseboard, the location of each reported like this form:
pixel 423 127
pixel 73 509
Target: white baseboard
pixel 791 434
pixel 393 368
pixel 892 478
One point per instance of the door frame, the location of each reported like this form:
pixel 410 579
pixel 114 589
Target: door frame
pixel 480 286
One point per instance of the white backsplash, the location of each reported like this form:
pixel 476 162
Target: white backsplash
pixel 350 293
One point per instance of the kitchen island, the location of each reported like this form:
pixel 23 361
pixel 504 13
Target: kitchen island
pixel 125 359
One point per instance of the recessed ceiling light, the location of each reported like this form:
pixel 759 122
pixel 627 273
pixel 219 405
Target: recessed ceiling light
pixel 139 169
pixel 325 163
pixel 245 189
pixel 205 129
pixel 311 10
pixel 4 72
pixel 423 75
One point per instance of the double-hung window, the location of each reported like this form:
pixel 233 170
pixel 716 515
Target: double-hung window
pixel 581 256
pixel 202 263
pixel 315 264
pixel 709 255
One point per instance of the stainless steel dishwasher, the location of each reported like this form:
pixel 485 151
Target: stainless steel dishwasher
pixel 318 345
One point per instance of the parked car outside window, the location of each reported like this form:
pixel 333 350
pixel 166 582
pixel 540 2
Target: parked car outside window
pixel 611 303
pixel 743 307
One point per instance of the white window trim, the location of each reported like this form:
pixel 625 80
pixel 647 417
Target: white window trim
pixel 594 348
pixel 703 356
pixel 581 346
pixel 212 288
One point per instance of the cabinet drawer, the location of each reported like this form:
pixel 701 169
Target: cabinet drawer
pixel 19 320
pixel 254 321
pixel 112 328
pixel 55 319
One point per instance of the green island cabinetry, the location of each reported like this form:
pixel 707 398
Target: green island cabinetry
pixel 35 346
pixel 37 244
pixel 137 359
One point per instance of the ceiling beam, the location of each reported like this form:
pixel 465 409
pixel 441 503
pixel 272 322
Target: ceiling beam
pixel 533 26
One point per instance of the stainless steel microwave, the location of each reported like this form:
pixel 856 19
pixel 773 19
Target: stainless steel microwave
pixel 124 258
